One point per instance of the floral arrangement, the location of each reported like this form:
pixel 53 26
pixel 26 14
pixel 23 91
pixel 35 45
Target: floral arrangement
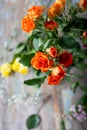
pixel 56 43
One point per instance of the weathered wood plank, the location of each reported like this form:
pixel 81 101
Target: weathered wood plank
pixel 55 100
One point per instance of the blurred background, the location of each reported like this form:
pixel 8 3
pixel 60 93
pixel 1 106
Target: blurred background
pixel 17 101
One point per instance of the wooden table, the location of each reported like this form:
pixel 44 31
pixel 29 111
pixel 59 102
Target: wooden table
pixel 27 100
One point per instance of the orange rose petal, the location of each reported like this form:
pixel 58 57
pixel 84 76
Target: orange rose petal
pixel 58 71
pixel 56 75
pixel 41 61
pixel 83 5
pixel 52 52
pixel 27 24
pixel 53 80
pixel 62 1
pixel 35 12
pixel 57 8
pixel 84 34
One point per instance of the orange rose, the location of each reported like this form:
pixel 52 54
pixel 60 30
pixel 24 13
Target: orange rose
pixel 84 34
pixel 51 13
pixel 41 61
pixel 56 75
pixel 52 52
pixel 56 9
pixel 66 59
pixel 53 80
pixel 83 5
pixel 27 24
pixel 58 71
pixel 62 1
pixel 51 25
pixel 35 12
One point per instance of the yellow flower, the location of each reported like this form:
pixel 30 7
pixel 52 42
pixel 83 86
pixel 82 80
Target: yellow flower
pixel 22 69
pixel 15 65
pixel 18 67
pixel 5 69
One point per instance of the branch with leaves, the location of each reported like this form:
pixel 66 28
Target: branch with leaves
pixel 56 43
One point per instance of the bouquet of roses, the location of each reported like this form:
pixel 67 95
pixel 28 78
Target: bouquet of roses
pixel 56 43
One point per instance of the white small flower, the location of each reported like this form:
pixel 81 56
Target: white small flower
pixel 72 108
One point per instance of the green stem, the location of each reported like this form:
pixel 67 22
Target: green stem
pixel 63 125
pixel 44 102
pixel 64 15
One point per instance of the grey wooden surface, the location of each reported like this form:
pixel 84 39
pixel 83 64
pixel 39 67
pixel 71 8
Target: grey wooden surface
pixel 28 100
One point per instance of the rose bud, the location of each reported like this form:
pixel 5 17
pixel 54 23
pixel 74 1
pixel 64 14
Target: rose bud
pixel 51 25
pixel 82 5
pixel 52 51
pixel 56 75
pixel 66 59
pixel 84 34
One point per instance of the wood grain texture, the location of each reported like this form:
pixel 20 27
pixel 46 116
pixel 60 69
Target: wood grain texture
pixel 55 99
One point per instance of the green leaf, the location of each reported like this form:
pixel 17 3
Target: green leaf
pixel 47 43
pixel 33 121
pixel 81 66
pixel 34 81
pixel 38 72
pixel 69 42
pixel 20 48
pixel 26 59
pixel 20 44
pixel 73 10
pixel 84 41
pixel 77 59
pixel 67 78
pixel 83 87
pixel 76 32
pixel 78 23
pixel 68 26
pixel 74 75
pixel 36 44
pixel 82 54
pixel 74 86
pixel 83 100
